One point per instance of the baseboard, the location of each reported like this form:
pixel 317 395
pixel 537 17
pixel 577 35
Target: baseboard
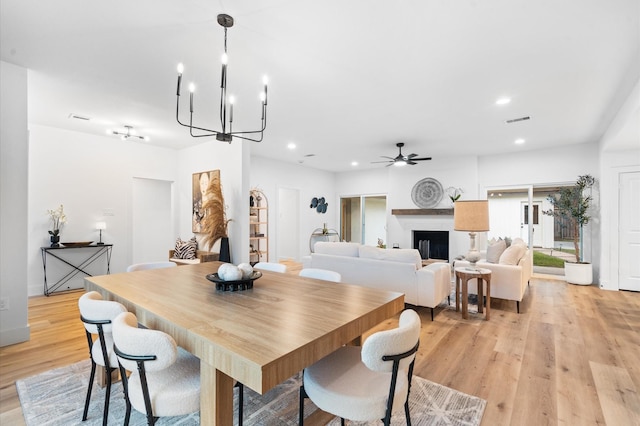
pixel 16 335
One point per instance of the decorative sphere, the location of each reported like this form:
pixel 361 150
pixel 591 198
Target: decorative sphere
pixel 246 269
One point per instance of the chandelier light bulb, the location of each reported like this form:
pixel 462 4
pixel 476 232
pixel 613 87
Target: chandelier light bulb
pixel 265 80
pixel 192 87
pixel 263 96
pixel 180 68
pixel 232 100
pixel 225 59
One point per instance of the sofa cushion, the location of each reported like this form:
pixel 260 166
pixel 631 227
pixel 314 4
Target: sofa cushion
pixel 392 255
pixel 495 249
pixel 513 254
pixel 336 248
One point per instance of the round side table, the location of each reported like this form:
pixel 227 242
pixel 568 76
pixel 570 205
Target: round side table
pixel 463 275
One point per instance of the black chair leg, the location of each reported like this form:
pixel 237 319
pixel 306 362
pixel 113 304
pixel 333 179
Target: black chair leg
pixel 431 314
pixel 240 387
pixel 125 390
pixel 518 306
pixel 303 395
pixel 107 396
pixel 86 403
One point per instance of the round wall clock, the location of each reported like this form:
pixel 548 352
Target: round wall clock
pixel 427 193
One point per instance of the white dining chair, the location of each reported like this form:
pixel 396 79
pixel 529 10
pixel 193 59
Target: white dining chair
pixel 164 379
pixel 97 315
pixel 321 274
pixel 271 266
pixel 366 383
pixel 150 265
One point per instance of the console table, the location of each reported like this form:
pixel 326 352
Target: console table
pixel 91 253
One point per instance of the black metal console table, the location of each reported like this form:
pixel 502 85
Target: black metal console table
pixel 96 251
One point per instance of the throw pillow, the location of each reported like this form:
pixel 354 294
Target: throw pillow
pixel 185 249
pixel 513 254
pixel 336 248
pixel 495 250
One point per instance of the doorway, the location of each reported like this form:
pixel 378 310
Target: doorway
pixel 535 225
pixel 363 219
pixel 629 231
pixel 152 230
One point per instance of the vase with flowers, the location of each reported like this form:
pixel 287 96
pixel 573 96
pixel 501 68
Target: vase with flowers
pixel 58 218
pixel 454 194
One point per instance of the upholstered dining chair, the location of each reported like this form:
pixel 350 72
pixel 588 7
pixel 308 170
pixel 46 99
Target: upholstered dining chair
pixel 97 314
pixel 271 266
pixel 321 274
pixel 150 265
pixel 366 383
pixel 164 379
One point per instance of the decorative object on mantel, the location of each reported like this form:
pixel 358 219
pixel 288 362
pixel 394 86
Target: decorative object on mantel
pixel 319 204
pixel 454 193
pixel 471 216
pixel 402 160
pixel 427 193
pixel 226 102
pixel 58 218
pixel 100 226
pixel 128 133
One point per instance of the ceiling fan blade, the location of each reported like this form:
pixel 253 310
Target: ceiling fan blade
pixel 390 158
pixel 413 163
pixel 421 159
pixel 390 161
pixel 410 156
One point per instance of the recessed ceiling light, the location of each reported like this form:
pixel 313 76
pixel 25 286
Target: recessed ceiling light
pixel 354 163
pixel 291 145
pixel 503 101
pixel 519 141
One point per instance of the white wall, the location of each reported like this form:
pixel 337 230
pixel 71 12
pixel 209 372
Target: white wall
pixel 92 176
pixel 14 143
pixel 270 175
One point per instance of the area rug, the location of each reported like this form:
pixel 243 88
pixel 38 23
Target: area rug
pixel 56 397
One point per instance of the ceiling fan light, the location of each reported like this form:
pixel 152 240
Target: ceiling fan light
pixel 400 163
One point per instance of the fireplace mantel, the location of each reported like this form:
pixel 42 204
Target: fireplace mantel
pixel 422 212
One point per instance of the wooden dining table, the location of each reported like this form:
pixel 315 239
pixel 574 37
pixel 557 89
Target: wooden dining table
pixel 259 337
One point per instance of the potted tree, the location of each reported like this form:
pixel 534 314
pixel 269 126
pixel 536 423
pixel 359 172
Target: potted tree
pixel 572 203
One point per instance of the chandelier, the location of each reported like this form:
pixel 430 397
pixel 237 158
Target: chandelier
pixel 226 102
pixel 128 133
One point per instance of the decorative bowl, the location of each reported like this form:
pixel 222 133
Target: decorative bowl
pixel 77 244
pixel 238 285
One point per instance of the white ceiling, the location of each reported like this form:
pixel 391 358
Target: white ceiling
pixel 348 79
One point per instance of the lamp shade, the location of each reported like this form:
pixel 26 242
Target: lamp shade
pixel 471 216
pixel 101 225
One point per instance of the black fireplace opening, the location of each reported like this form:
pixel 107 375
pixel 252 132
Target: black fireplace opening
pixel 432 244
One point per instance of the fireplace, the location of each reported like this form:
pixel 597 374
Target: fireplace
pixel 432 244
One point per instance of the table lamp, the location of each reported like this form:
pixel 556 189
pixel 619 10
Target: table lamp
pixel 100 226
pixel 471 216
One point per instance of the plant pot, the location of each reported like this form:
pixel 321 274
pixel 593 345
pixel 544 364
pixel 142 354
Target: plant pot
pixel 578 273
pixel 55 239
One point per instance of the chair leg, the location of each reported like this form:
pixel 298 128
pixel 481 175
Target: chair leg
pixel 518 306
pixel 240 387
pixel 431 314
pixel 86 403
pixel 107 395
pixel 125 390
pixel 303 395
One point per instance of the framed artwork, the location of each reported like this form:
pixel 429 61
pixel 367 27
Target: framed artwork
pixel 201 184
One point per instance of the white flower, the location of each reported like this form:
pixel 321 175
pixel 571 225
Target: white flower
pixel 58 218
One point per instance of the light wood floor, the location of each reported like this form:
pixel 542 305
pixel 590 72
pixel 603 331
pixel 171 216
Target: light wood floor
pixel 571 357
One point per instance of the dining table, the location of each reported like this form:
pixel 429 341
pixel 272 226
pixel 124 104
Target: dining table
pixel 260 336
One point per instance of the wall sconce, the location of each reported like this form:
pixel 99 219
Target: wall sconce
pixel 100 226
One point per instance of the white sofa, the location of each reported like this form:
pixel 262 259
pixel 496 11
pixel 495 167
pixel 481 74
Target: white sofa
pixel 387 269
pixel 509 275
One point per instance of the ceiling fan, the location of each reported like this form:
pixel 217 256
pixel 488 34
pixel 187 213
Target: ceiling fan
pixel 400 159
